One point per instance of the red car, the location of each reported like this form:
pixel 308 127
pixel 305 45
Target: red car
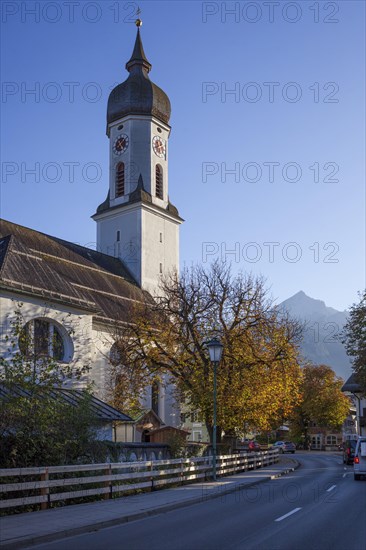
pixel 254 446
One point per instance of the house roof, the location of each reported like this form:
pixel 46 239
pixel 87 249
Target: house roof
pixel 145 415
pixel 178 431
pixel 351 385
pixel 100 409
pixel 36 264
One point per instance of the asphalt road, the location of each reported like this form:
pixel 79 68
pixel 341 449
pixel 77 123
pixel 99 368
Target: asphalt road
pixel 319 506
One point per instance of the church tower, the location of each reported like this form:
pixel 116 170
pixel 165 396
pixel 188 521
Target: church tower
pixel 136 222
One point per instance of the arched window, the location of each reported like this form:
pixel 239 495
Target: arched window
pixel 120 179
pixel 159 187
pixel 44 338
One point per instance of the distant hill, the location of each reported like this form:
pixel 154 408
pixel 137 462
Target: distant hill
pixel 322 326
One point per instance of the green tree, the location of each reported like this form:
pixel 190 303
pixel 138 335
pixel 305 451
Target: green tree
pixel 37 427
pixel 354 338
pixel 322 401
pixel 258 377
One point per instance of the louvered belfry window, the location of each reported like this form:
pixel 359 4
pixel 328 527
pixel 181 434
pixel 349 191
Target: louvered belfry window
pixel 120 179
pixel 159 181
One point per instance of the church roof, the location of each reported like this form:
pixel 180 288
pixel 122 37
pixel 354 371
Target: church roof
pixel 138 95
pixel 138 195
pixel 36 264
pixel 4 245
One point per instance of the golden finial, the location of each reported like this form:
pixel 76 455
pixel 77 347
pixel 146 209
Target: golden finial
pixel 138 21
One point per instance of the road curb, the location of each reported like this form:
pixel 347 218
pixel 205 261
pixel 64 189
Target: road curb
pixel 296 465
pixel 59 535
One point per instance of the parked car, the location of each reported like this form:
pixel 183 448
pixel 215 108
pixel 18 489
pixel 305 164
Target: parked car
pixel 254 446
pixel 359 463
pixel 285 446
pixel 349 448
pixel 250 445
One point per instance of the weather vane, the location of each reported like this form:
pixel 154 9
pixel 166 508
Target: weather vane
pixel 138 20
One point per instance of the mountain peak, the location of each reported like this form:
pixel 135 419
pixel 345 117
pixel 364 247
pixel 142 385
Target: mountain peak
pixel 303 305
pixel 320 343
pixel 300 293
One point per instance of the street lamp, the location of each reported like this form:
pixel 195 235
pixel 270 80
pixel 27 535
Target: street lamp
pixel 215 350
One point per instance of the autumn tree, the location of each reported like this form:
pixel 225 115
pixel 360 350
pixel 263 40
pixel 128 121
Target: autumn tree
pixel 258 377
pixel 354 338
pixel 322 401
pixel 37 427
pixel 125 381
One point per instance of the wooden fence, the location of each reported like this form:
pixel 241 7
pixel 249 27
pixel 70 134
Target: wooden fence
pixel 47 485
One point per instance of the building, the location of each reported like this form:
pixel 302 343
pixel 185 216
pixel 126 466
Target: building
pixel 352 388
pixel 193 422
pixel 72 296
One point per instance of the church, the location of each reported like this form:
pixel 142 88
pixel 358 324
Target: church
pixel 72 295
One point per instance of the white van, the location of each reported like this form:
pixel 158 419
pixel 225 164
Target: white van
pixel 359 464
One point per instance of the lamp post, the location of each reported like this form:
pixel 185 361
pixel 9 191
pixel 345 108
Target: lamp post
pixel 215 350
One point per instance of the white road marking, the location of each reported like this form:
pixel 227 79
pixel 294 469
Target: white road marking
pixel 331 488
pixel 344 475
pixel 289 514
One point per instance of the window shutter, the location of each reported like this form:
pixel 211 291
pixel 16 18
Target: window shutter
pixel 159 189
pixel 120 179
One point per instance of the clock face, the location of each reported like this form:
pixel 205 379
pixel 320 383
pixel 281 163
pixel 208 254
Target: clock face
pixel 159 146
pixel 120 144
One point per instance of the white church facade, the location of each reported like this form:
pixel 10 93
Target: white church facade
pixel 73 295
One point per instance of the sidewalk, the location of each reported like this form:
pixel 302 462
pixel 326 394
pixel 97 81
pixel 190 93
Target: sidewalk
pixel 21 530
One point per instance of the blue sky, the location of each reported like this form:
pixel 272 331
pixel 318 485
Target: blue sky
pixel 273 171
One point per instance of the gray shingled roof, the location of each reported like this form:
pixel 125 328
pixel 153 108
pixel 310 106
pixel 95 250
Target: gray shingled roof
pixel 43 266
pixel 351 385
pixel 101 410
pixel 4 244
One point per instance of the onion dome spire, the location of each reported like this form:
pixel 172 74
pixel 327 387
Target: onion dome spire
pixel 138 95
pixel 138 57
